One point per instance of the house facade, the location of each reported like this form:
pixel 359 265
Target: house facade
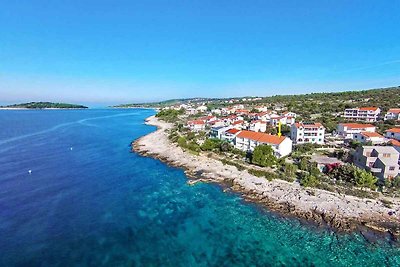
pixel 196 125
pixel 369 137
pixel 382 161
pixel 367 114
pixel 393 133
pixel 248 140
pixel 347 130
pixel 258 126
pixel 304 132
pixel 217 132
pixel 393 114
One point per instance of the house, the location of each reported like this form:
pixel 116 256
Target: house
pixel 201 109
pixel 240 125
pixel 396 145
pixel 191 111
pixel 218 123
pixel 372 137
pixel 393 133
pixel 258 126
pixel 393 114
pixel 217 132
pixel 367 114
pixel 248 140
pixel 196 125
pixel 347 130
pixel 307 132
pixel 382 161
pixel 230 135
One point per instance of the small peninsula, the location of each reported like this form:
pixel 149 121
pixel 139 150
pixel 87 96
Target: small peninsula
pixel 43 105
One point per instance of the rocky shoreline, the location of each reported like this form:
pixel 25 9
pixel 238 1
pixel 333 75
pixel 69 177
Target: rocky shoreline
pixel 341 212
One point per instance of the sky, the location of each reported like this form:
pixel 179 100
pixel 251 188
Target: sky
pixel 134 51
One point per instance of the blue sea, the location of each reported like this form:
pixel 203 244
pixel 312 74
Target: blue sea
pixel 73 194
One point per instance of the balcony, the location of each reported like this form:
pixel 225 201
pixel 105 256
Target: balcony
pixel 375 169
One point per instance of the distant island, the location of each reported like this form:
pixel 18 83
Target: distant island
pixel 43 105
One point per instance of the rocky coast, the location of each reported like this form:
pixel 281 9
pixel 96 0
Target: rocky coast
pixel 341 212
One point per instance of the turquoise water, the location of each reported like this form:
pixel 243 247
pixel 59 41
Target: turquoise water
pixel 88 201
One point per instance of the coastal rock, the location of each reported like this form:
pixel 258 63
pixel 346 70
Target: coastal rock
pixel 341 212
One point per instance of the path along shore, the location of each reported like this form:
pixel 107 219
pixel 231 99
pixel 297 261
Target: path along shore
pixel 342 212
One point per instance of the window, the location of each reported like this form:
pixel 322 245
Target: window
pixel 386 155
pixel 370 164
pixel 391 168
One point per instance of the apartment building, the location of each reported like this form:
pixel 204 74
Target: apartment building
pixel 248 140
pixel 393 114
pixel 382 161
pixel 307 132
pixel 347 130
pixel 367 114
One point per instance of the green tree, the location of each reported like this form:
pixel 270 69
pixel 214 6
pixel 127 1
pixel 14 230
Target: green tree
pixel 365 179
pixel 263 155
pixel 309 180
pixel 211 144
pixel 290 170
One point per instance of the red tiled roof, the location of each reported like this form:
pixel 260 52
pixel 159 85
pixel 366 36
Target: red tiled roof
pixel 395 142
pixel 371 134
pixel 237 122
pixel 198 122
pixel 394 110
pixel 394 130
pixel 368 108
pixel 261 137
pixel 233 131
pixel 316 124
pixel 357 125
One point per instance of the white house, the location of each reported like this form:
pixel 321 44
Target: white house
pixel 248 140
pixel 304 132
pixel 240 125
pixel 347 130
pixel 365 137
pixel 393 114
pixel 367 114
pixel 196 125
pixel 382 161
pixel 393 133
pixel 217 132
pixel 258 126
pixel 230 135
pixel 202 109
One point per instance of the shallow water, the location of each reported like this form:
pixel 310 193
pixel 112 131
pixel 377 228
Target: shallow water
pixel 88 201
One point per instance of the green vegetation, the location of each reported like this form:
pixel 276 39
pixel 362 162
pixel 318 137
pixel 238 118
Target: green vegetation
pixel 43 105
pixel 263 155
pixel 309 180
pixel 169 115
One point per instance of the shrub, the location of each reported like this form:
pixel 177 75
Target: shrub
pixel 309 180
pixel 263 155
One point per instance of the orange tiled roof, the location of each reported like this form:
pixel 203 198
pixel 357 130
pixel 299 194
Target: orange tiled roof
pixel 316 124
pixel 395 142
pixel 394 110
pixel 261 137
pixel 371 134
pixel 394 130
pixel 357 125
pixel 368 108
pixel 233 131
pixel 196 122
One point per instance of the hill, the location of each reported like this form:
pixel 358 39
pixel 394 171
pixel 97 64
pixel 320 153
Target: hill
pixel 44 105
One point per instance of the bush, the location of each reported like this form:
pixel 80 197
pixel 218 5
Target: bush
pixel 211 144
pixel 309 180
pixel 263 155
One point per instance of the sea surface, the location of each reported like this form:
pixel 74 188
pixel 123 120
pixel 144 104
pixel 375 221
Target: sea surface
pixel 72 194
